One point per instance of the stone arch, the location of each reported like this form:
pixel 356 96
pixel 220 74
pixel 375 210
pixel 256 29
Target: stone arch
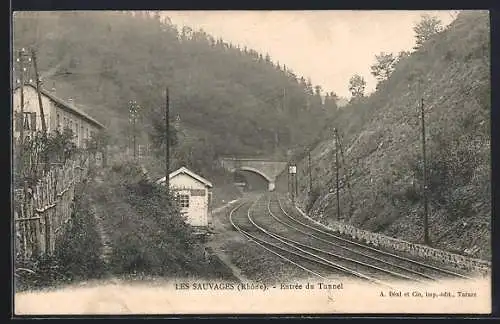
pixel 269 180
pixel 262 174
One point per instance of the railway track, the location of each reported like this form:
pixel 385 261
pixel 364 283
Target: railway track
pixel 363 251
pixel 269 246
pixel 323 254
pixel 303 257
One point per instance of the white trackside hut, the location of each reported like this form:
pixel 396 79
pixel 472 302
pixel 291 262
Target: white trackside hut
pixel 193 194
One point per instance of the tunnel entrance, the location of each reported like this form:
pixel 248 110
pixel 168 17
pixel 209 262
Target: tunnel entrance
pixel 251 181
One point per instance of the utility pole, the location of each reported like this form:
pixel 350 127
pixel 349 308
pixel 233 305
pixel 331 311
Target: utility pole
pixel 22 163
pixel 167 141
pixel 292 173
pixel 426 221
pixel 296 184
pixel 288 179
pixel 346 172
pixel 40 106
pixel 337 173
pixel 22 56
pixel 276 135
pixel 38 82
pixel 276 141
pixel 309 164
pixel 135 146
pixel 133 110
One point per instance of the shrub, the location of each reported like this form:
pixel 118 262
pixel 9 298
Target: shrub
pixel 149 236
pixel 78 251
pixel 313 196
pixel 77 254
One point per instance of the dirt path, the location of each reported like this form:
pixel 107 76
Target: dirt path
pixel 220 237
pixel 106 248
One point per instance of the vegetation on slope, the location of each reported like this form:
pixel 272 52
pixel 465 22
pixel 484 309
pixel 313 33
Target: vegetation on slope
pixel 107 59
pixel 77 255
pixel 382 142
pixel 147 234
pixel 147 237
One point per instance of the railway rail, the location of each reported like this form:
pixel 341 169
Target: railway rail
pixel 423 269
pixel 322 253
pixel 313 263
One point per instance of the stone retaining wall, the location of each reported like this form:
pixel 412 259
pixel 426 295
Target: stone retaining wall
pixel 478 266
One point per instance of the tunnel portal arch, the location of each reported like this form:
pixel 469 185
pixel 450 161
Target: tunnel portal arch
pixel 270 181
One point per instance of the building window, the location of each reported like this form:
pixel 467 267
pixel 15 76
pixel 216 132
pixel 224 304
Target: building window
pixel 27 122
pixel 19 121
pixel 58 120
pixel 33 121
pixel 183 201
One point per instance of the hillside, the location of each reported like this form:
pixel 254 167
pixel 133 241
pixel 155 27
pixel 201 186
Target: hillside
pixel 381 138
pixel 103 60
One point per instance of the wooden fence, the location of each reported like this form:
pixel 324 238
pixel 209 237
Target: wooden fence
pixel 41 212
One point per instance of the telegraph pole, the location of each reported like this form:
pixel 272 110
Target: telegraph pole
pixel 22 59
pixel 22 163
pixel 40 106
pixel 346 171
pixel 337 173
pixel 426 221
pixel 133 110
pixel 292 172
pixel 21 131
pixel 38 82
pixel 22 68
pixel 167 141
pixel 296 183
pixel 309 164
pixel 135 146
pixel 288 178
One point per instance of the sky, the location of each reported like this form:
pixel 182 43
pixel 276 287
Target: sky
pixel 326 46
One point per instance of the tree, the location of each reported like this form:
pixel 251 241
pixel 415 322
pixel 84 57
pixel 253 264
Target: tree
pixel 426 28
pixel 357 86
pixel 384 66
pixel 402 54
pixel 331 101
pixel 187 33
pixel 209 83
pixel 158 131
pixel 98 143
pixel 334 96
pixel 317 102
pixel 309 87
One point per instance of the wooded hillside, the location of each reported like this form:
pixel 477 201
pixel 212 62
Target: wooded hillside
pixel 382 139
pixel 231 100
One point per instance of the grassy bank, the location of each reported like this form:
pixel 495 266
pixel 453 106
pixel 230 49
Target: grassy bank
pixel 147 234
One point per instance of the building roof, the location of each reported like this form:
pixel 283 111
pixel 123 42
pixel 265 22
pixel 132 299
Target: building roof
pixel 189 173
pixel 65 105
